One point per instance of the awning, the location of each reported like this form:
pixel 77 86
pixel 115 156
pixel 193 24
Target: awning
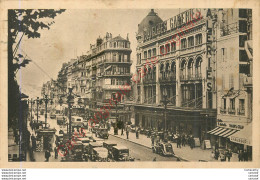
pixel 243 137
pixel 232 131
pixel 221 131
pixel 214 130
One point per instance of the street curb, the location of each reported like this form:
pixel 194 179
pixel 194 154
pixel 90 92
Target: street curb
pixel 131 141
pixel 146 146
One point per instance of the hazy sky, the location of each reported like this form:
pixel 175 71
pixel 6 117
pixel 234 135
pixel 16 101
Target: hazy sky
pixel 71 36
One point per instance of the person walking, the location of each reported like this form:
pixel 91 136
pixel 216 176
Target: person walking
pixel 179 141
pixel 240 155
pixel 183 140
pixel 47 155
pixel 152 139
pixel 229 154
pixel 216 154
pixel 127 132
pixel 56 152
pixel 216 146
pixel 245 155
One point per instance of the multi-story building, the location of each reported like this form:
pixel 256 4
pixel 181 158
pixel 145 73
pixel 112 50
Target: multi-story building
pixel 233 44
pixel 106 72
pixel 181 70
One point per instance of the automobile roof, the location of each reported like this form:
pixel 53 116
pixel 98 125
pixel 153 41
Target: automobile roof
pixel 120 147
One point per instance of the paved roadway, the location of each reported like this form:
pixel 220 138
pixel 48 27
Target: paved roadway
pixel 140 153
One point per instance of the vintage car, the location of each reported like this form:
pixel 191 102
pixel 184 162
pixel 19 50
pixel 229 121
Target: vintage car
pixel 77 151
pixel 108 145
pixel 52 115
pixel 102 133
pixel 95 128
pixel 93 145
pixel 164 149
pixel 61 120
pixel 100 154
pixel 121 153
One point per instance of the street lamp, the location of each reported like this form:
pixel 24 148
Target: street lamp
pixel 31 102
pixel 70 101
pixel 165 101
pixel 38 101
pixel 46 100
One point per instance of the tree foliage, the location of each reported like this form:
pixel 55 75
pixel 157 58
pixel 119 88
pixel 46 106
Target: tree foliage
pixel 29 22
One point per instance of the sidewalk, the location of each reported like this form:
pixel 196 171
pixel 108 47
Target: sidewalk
pixel 185 153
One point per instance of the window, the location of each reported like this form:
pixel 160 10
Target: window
pixel 149 53
pixel 224 103
pixel 167 47
pixel 114 44
pixel 154 51
pixel 191 41
pixel 183 43
pixel 243 13
pixel 161 50
pixel 198 38
pixel 114 57
pixel 173 46
pixel 223 54
pixel 243 26
pixel 232 103
pixel 241 104
pixel 145 54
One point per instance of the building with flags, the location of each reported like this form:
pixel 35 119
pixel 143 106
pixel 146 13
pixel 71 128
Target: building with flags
pixel 234 56
pixel 175 73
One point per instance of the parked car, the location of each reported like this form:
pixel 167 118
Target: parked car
pixel 52 115
pixel 102 133
pixel 108 145
pixel 121 153
pixel 164 149
pixel 95 128
pixel 100 154
pixel 77 151
pixel 61 120
pixel 93 145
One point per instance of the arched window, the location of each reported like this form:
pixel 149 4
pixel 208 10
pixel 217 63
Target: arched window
pixel 198 67
pixel 167 70
pixel 190 68
pixel 183 68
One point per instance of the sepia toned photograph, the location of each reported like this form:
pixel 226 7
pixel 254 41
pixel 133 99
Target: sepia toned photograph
pixel 130 85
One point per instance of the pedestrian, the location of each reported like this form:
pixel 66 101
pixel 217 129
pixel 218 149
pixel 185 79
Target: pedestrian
pixel 223 157
pixel 193 142
pixel 56 152
pixel 127 134
pixel 216 154
pixel 183 140
pixel 152 139
pixel 229 154
pixel 240 155
pixel 179 141
pixel 122 131
pixel 245 155
pixel 47 155
pixel 216 146
pixel 212 154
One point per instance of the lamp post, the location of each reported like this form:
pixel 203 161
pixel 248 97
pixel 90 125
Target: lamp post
pixel 165 101
pixel 37 102
pixel 70 102
pixel 46 100
pixel 31 102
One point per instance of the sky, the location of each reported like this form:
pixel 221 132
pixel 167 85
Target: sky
pixel 71 35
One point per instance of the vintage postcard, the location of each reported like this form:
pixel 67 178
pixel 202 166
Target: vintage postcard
pixel 129 84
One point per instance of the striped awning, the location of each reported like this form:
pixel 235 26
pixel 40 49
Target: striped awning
pixel 223 132
pixel 231 132
pixel 215 130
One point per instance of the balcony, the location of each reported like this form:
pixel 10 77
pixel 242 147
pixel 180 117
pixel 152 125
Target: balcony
pixel 116 87
pixel 241 112
pixel 109 73
pixel 111 61
pixel 191 77
pixel 229 29
pixel 231 111
pixel 247 82
pixel 167 79
pixel 149 81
